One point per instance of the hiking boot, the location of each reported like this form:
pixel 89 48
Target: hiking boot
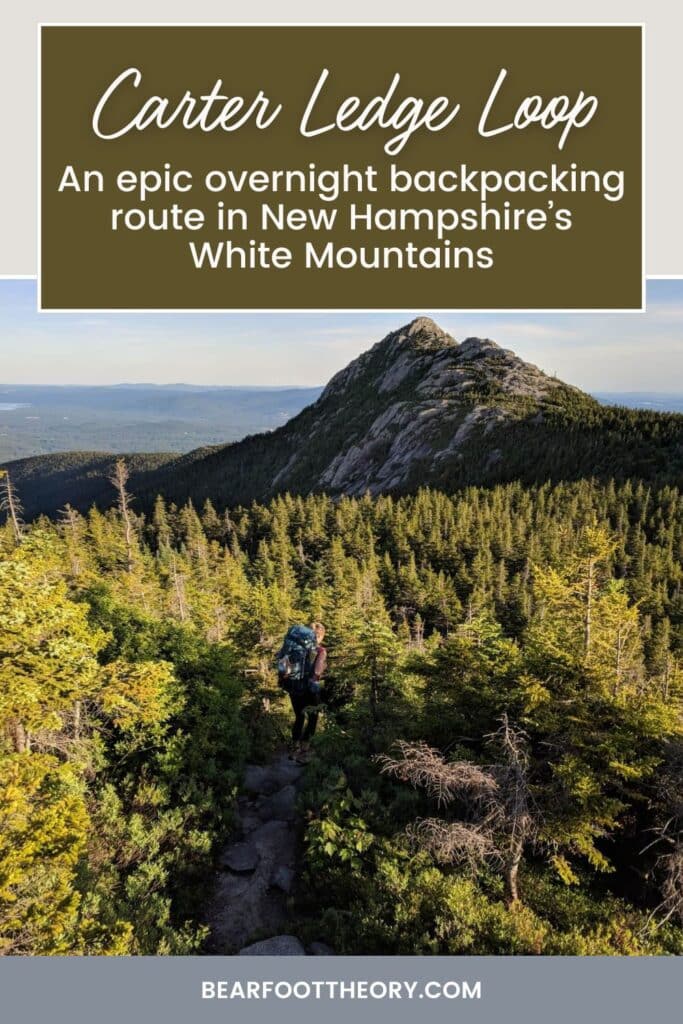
pixel 304 754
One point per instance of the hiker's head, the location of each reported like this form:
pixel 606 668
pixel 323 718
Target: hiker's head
pixel 319 631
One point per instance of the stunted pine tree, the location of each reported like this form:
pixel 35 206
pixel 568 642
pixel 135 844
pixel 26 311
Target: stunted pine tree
pixel 178 593
pixel 583 618
pixel 471 678
pixel 48 650
pixel 119 480
pixel 160 526
pixel 11 505
pixel 604 722
pixel 73 530
pixel 213 527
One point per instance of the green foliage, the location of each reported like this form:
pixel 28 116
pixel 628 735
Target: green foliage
pixel 122 745
pixel 43 829
pixel 338 834
pixel 48 653
pixel 136 671
pixel 392 902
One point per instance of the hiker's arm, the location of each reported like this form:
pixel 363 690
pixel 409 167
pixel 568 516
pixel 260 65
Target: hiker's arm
pixel 319 664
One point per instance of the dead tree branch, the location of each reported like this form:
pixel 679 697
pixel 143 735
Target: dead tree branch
pixel 119 480
pixel 11 505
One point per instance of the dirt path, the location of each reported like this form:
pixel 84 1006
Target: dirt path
pixel 257 869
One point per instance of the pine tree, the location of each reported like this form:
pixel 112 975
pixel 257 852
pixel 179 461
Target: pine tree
pixel 11 505
pixel 119 480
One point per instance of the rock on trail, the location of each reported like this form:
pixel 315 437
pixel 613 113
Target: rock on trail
pixel 281 945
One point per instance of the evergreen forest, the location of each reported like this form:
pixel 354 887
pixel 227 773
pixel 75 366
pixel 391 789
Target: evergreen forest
pixel 499 763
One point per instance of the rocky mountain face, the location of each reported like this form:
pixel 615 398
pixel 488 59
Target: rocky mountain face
pixel 413 403
pixel 418 408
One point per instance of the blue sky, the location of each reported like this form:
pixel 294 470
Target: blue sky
pixel 597 352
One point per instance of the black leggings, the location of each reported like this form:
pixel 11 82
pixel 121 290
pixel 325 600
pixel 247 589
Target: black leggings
pixel 304 705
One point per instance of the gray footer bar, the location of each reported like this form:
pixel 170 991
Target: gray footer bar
pixel 419 990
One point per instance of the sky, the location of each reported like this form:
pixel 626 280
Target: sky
pixel 596 352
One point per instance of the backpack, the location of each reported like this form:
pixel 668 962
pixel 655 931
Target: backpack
pixel 296 659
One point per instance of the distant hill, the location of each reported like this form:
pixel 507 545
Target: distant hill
pixel 138 417
pixel 658 401
pixel 47 482
pixel 417 408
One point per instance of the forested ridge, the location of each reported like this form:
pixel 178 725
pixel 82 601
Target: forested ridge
pixel 499 764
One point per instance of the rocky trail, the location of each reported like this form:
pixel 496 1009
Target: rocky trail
pixel 257 869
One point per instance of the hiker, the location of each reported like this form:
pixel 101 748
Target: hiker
pixel 301 664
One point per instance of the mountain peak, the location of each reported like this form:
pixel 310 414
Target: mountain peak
pixel 416 409
pixel 419 405
pixel 423 332
pixel 423 324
